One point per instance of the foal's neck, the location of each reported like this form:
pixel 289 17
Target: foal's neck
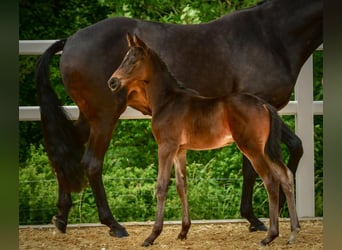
pixel 162 86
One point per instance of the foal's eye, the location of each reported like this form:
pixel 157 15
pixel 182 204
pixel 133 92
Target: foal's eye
pixel 130 58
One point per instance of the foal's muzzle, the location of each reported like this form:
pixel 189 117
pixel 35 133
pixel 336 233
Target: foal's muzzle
pixel 114 84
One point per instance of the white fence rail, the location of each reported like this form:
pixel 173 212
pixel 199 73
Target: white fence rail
pixel 303 107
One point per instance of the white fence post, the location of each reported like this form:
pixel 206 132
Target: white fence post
pixel 305 177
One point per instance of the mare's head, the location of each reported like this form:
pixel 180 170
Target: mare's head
pixel 132 74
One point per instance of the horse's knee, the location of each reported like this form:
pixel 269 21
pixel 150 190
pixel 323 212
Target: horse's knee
pixel 91 165
pixel 161 191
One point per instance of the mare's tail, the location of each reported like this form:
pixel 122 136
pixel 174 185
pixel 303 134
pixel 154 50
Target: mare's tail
pixel 62 143
pixel 272 147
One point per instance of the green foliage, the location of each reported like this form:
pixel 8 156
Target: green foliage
pixel 130 165
pixel 38 188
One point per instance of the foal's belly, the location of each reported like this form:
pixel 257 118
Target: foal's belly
pixel 205 141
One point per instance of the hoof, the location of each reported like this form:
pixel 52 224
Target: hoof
pixel 181 236
pixel 146 244
pixel 263 243
pixel 259 227
pixel 293 236
pixel 268 240
pixel 119 233
pixel 59 224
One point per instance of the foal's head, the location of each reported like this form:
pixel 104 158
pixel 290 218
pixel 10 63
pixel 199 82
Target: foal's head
pixel 132 74
pixel 135 69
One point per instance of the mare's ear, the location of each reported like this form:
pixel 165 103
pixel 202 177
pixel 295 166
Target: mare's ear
pixel 129 40
pixel 138 42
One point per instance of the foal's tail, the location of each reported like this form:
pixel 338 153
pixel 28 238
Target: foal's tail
pixel 272 146
pixel 62 143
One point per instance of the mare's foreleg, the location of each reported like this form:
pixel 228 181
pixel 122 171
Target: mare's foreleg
pixel 100 135
pixel 246 207
pixel 166 154
pixel 181 184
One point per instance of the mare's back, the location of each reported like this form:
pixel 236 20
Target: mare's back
pixel 216 57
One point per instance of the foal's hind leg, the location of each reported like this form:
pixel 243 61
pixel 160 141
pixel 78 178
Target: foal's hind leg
pixel 64 199
pixel 294 144
pixel 263 167
pixel 181 184
pixel 286 182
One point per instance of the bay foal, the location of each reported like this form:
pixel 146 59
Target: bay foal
pixel 182 120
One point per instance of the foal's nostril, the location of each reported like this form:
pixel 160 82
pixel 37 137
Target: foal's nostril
pixel 114 83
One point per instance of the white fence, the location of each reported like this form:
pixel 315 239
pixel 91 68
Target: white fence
pixel 303 107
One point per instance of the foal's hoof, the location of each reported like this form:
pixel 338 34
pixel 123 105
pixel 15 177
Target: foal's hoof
pixel 267 240
pixel 181 236
pixel 258 227
pixel 146 244
pixel 119 233
pixel 61 225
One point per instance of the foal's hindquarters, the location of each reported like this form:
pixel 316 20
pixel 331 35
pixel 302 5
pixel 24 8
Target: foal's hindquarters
pixel 253 125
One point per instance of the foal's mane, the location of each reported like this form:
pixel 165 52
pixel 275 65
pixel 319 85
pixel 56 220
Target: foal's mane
pixel 179 85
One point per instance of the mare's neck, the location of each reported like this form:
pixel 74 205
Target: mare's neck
pixel 298 24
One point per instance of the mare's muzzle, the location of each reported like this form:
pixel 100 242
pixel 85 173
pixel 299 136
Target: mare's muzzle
pixel 114 84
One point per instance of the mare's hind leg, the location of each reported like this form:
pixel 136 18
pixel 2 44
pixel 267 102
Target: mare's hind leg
pixel 100 135
pixel 181 184
pixel 64 202
pixel 246 207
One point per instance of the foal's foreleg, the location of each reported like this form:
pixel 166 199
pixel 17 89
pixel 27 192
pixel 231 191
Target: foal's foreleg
pixel 181 184
pixel 166 154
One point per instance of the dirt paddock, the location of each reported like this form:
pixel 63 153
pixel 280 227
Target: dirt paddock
pixel 210 235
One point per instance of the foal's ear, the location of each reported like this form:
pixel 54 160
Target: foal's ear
pixel 138 42
pixel 129 40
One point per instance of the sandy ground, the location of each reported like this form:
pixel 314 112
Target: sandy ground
pixel 223 235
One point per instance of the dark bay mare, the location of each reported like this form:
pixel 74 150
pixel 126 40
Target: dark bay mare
pixel 182 120
pixel 258 50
